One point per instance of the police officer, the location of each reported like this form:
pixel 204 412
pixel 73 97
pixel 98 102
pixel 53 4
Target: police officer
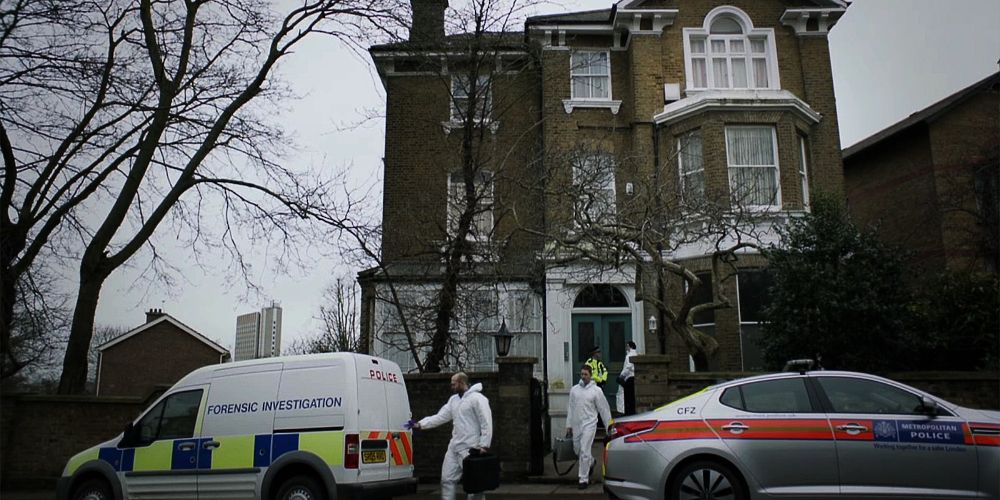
pixel 599 372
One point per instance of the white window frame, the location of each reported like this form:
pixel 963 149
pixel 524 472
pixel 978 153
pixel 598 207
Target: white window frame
pixel 572 75
pixel 609 185
pixel 804 170
pixel 483 81
pixel 776 166
pixel 749 33
pixel 485 199
pixel 681 143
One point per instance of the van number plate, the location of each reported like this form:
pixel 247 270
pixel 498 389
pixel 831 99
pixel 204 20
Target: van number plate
pixel 373 457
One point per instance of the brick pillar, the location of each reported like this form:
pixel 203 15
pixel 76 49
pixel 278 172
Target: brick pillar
pixel 651 381
pixel 512 416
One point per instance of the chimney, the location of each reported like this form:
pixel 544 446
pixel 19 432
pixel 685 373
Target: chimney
pixel 152 314
pixel 428 20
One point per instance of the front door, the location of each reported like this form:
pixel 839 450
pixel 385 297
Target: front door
pixel 610 332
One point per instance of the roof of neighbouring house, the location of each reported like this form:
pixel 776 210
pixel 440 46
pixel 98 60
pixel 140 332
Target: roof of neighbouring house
pixel 165 318
pixel 924 115
pixel 513 40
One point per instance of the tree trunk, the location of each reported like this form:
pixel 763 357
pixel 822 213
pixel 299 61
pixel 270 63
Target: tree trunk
pixel 8 292
pixel 74 374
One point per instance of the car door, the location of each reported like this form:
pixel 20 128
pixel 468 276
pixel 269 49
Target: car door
pixel 888 445
pixel 777 430
pixel 159 456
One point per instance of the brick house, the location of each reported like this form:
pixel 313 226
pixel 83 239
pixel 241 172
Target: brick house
pixel 942 164
pixel 157 353
pixel 722 97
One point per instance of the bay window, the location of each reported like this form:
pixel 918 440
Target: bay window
pixel 752 154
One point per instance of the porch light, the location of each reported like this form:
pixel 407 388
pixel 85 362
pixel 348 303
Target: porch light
pixel 652 323
pixel 502 338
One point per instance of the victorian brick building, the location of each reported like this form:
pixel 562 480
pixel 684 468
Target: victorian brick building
pixel 713 100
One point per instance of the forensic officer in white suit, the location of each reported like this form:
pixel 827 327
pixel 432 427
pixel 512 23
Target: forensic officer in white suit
pixel 472 427
pixel 586 402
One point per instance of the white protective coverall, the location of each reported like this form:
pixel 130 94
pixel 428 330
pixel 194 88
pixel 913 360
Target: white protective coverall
pixel 585 403
pixel 472 427
pixel 628 371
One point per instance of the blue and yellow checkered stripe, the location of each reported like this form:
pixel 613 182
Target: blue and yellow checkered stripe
pixel 233 452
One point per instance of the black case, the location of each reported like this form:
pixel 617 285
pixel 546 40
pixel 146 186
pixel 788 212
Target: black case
pixel 480 472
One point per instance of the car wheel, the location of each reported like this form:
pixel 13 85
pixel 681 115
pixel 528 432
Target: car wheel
pixel 301 488
pixel 706 480
pixel 92 489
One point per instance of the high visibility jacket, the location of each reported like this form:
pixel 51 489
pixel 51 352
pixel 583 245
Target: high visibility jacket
pixel 598 372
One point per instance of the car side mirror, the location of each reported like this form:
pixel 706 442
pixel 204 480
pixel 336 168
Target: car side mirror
pixel 928 405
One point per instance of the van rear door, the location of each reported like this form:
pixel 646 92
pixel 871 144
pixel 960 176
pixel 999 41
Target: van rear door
pixel 373 422
pixel 398 402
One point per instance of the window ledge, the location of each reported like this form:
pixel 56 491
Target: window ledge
pixel 570 104
pixel 448 126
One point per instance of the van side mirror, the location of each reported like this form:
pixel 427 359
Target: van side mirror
pixel 928 405
pixel 127 435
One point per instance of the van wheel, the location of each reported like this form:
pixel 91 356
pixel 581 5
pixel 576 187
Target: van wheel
pixel 301 487
pixel 92 489
pixel 706 480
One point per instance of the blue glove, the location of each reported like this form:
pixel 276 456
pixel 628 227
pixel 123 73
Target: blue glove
pixel 409 424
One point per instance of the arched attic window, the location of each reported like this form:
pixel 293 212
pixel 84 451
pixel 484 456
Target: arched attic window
pixel 600 296
pixel 727 52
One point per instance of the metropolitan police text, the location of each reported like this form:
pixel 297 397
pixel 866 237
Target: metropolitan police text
pixel 281 405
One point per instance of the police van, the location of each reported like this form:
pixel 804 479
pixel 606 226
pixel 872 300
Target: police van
pixel 322 426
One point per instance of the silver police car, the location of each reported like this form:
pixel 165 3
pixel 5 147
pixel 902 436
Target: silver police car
pixel 819 434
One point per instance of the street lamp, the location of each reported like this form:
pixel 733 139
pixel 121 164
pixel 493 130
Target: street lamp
pixel 502 338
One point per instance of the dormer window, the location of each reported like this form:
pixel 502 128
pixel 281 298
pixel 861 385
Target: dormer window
pixel 728 53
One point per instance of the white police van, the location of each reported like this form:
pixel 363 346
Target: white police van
pixel 322 426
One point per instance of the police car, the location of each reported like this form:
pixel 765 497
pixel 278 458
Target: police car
pixel 818 434
pixel 324 426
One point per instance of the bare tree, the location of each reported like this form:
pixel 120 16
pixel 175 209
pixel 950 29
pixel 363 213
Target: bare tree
pixel 339 315
pixel 435 290
pixel 102 335
pixel 39 326
pixel 119 116
pixel 646 231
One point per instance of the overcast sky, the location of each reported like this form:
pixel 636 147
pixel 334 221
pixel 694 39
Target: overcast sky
pixel 890 58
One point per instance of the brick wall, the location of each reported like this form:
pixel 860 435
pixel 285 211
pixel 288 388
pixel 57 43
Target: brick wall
pixel 163 353
pixel 508 392
pixel 657 385
pixel 54 428
pixel 40 433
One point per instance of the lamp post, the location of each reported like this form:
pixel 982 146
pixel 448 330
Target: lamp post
pixel 502 338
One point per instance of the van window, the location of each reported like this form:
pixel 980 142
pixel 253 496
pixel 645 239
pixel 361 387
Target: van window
pixel 172 418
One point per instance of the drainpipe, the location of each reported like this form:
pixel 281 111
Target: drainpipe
pixel 662 330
